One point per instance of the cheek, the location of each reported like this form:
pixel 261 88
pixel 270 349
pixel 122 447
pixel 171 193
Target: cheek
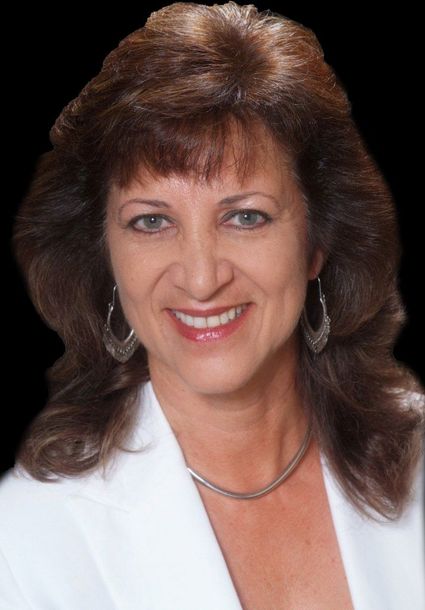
pixel 282 274
pixel 131 273
pixel 281 265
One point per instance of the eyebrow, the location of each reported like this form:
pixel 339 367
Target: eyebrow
pixel 227 201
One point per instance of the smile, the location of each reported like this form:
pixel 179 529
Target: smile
pixel 204 329
pixel 210 321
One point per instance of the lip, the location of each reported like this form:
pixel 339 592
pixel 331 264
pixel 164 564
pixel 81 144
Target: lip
pixel 205 335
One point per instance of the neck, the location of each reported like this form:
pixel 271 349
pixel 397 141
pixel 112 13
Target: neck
pixel 240 440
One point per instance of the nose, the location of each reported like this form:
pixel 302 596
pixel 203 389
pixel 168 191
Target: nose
pixel 201 269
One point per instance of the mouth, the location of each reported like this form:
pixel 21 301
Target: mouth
pixel 210 328
pixel 211 321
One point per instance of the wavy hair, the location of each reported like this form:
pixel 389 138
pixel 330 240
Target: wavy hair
pixel 164 100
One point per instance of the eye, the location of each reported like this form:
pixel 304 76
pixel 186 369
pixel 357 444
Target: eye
pixel 249 219
pixel 148 223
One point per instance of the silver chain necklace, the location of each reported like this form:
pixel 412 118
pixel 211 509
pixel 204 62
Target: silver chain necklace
pixel 256 494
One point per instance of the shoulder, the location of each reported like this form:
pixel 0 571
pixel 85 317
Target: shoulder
pixel 22 495
pixel 47 526
pixel 17 485
pixel 35 524
pixel 24 498
pixel 19 489
pixel 46 532
pixel 28 505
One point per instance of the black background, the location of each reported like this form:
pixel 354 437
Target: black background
pixel 48 57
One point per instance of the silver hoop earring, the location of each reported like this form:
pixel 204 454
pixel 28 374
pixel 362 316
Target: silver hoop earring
pixel 317 339
pixel 120 350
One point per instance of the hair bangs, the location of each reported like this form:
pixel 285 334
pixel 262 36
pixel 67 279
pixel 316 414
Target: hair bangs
pixel 199 146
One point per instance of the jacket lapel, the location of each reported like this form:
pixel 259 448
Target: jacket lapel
pixel 186 566
pixel 172 558
pixel 384 562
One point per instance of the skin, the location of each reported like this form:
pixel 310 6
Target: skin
pixel 233 404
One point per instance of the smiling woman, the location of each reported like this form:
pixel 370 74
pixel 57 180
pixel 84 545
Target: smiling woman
pixel 228 427
pixel 214 251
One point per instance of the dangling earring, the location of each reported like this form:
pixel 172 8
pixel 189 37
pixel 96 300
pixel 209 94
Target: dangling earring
pixel 120 350
pixel 317 339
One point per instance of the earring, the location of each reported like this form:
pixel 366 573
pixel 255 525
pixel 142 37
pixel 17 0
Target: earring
pixel 317 339
pixel 120 350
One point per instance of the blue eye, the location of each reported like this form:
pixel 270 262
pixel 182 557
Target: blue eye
pixel 151 223
pixel 249 218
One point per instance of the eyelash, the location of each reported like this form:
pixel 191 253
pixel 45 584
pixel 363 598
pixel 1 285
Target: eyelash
pixel 266 217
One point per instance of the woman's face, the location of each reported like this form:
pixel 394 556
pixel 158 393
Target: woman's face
pixel 179 244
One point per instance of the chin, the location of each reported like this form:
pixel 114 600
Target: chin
pixel 207 379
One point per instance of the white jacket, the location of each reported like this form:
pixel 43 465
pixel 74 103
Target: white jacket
pixel 142 539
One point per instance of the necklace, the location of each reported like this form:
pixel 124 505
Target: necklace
pixel 256 494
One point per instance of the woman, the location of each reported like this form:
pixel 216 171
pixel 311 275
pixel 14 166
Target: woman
pixel 227 427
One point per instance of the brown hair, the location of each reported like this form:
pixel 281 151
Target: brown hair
pixel 164 100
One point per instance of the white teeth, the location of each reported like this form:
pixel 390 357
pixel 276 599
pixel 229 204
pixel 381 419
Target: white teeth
pixel 196 322
pixel 213 321
pixel 224 318
pixel 210 321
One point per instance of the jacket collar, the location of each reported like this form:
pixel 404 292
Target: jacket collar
pixel 175 549
pixel 384 562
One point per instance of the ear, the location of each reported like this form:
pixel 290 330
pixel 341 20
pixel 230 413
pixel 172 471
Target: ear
pixel 316 264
